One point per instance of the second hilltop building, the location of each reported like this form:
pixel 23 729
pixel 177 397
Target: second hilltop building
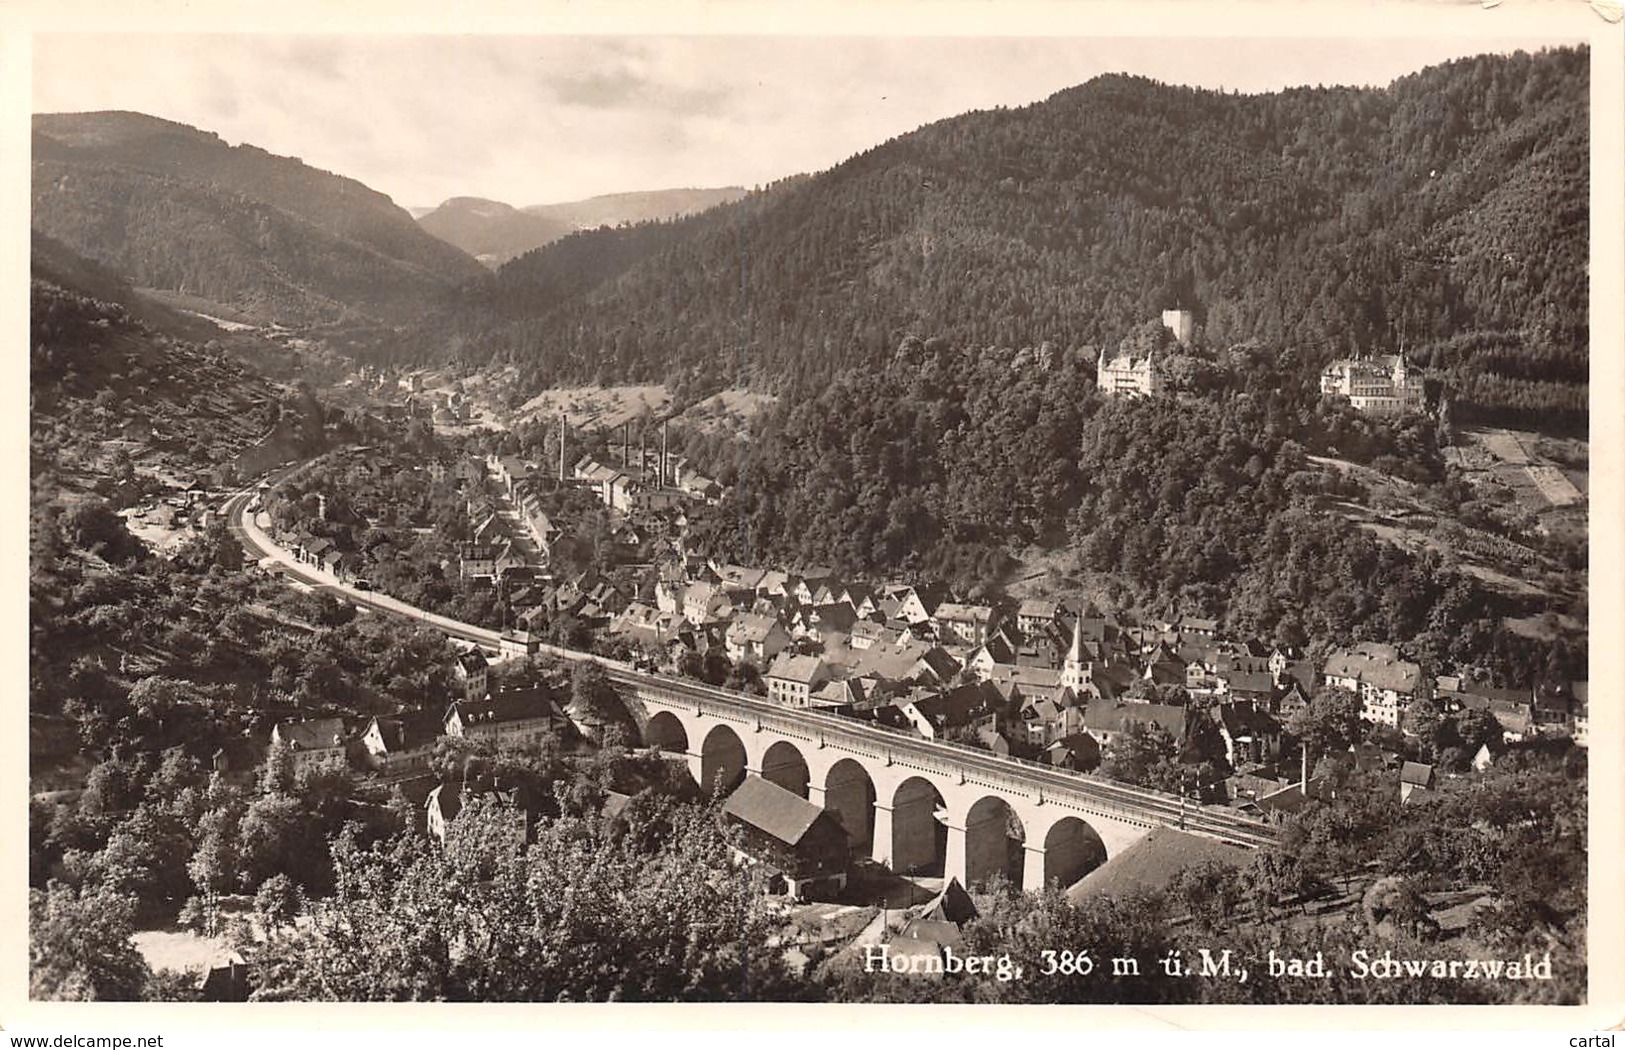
pixel 1380 386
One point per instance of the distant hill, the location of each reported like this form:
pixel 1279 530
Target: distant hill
pixel 54 262
pixel 616 209
pixel 1447 212
pixel 175 208
pixel 491 231
pixel 494 232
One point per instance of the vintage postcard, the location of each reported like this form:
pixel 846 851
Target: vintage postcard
pixel 899 506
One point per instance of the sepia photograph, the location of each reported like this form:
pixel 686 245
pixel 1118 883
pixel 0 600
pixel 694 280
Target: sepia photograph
pixel 812 517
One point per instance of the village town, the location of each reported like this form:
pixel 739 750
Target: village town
pixel 1048 680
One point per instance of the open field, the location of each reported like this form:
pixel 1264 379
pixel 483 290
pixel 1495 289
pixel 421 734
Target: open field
pixel 729 410
pixel 1543 473
pixel 597 407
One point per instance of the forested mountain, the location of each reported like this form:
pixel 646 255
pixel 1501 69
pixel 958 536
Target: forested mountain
pixel 1447 212
pixel 175 208
pixel 494 232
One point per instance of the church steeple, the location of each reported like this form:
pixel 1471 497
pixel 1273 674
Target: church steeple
pixel 1072 671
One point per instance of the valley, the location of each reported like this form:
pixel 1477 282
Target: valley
pixel 1150 517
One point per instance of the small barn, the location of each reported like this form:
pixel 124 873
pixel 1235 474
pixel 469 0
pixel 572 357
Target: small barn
pixel 795 839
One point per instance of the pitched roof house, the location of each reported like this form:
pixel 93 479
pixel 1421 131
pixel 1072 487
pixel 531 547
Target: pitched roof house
pixel 974 705
pixel 402 742
pixel 963 624
pixel 508 716
pixel 1078 751
pixel 1385 683
pixel 793 679
pixel 797 840
pixel 313 741
pixel 1106 719
pixel 756 638
pixel 1416 778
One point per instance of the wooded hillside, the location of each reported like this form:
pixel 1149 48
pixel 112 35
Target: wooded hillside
pixel 1447 212
pixel 175 208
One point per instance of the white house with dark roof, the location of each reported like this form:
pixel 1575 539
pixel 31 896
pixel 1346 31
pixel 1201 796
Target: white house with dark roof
pixel 1123 373
pixel 702 602
pixel 1385 684
pixel 1036 614
pixel 508 717
pixel 1380 386
pixel 471 672
pixel 965 625
pixel 401 743
pixel 1105 719
pixel 793 679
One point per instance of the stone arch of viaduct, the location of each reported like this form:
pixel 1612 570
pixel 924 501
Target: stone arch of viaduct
pixel 910 812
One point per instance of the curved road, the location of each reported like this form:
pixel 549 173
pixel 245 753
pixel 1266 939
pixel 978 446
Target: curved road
pixel 260 546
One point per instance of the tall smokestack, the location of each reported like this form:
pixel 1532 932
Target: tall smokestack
pixel 663 424
pixel 626 445
pixel 562 419
pixel 643 450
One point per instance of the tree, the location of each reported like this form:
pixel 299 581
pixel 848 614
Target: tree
pixel 94 527
pixel 593 702
pixel 557 921
pixel 278 836
pixel 1140 754
pixel 1424 721
pixel 277 775
pixel 79 946
pixel 214 866
pixel 277 901
pixel 145 858
pixel 1329 723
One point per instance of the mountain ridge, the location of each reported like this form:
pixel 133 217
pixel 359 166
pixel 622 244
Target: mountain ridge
pixel 495 232
pixel 1330 220
pixel 174 207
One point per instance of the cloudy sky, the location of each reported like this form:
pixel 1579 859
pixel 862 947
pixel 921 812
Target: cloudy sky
pixel 539 119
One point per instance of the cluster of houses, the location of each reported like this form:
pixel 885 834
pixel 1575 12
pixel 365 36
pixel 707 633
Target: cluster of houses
pixel 654 481
pixel 1036 679
pixel 1039 679
pixel 633 494
pixel 320 552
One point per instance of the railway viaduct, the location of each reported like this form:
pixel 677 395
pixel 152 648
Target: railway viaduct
pixel 916 805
